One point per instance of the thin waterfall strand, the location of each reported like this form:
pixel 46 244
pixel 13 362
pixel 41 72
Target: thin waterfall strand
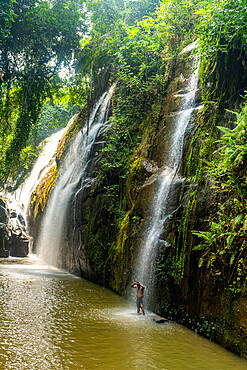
pixel 72 174
pixel 41 167
pixel 160 208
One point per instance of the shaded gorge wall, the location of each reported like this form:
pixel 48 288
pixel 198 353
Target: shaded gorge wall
pixel 105 221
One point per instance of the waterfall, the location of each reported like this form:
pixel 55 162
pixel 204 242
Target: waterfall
pixel 18 202
pixel 161 209
pixel 72 175
pixel 42 165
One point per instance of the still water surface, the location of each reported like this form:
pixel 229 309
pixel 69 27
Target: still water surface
pixel 53 320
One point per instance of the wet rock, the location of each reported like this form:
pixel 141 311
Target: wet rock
pixel 4 246
pixel 21 220
pixel 149 166
pixel 19 246
pixel 3 212
pixel 158 319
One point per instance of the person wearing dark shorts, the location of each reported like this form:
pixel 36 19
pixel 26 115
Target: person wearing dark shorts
pixel 139 295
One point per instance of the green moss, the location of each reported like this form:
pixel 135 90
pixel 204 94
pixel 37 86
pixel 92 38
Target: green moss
pixel 202 145
pixel 75 124
pixel 43 190
pixel 96 245
pixel 118 259
pixel 94 251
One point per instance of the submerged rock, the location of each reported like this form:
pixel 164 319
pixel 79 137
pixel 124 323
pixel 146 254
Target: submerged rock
pixel 158 319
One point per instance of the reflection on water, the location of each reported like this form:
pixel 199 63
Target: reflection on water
pixel 53 320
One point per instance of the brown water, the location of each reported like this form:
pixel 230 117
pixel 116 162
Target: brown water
pixel 53 320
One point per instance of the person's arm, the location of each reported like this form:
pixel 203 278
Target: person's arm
pixel 133 285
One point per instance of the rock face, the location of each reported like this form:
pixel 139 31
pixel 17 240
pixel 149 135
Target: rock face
pixel 13 239
pixel 101 244
pixel 18 240
pixel 4 243
pixel 19 246
pixel 158 319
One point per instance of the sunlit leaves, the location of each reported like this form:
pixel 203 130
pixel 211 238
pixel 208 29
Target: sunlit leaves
pixel 39 37
pixel 223 25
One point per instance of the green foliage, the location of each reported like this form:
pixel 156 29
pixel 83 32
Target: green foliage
pixel 222 29
pixel 223 26
pixel 52 117
pixel 106 13
pixel 133 44
pixel 224 244
pixel 6 17
pixel 101 51
pixel 36 39
pixel 141 56
pixel 176 22
pixel 128 39
pixel 130 108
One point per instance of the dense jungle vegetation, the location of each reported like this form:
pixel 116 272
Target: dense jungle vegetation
pixel 134 41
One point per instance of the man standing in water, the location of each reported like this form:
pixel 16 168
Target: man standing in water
pixel 139 294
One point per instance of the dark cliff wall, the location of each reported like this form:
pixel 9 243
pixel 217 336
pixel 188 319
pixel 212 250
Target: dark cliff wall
pixel 105 221
pixel 13 238
pixel 4 242
pixel 203 284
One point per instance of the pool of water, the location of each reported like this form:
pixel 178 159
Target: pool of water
pixel 53 320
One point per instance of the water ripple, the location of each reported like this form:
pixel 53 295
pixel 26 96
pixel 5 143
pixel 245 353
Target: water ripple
pixel 51 320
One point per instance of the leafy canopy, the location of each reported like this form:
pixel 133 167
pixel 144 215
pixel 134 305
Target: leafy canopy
pixel 36 39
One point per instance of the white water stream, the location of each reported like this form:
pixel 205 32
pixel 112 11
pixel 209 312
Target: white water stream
pixel 160 209
pixel 72 175
pixel 18 202
pixel 42 165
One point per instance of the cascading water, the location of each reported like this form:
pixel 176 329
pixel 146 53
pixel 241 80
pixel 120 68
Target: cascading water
pixel 161 209
pixel 72 175
pixel 19 201
pixel 42 165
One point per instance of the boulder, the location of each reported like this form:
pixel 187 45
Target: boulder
pixel 4 246
pixel 19 246
pixel 158 319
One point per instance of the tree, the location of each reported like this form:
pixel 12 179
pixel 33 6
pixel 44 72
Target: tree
pixel 36 39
